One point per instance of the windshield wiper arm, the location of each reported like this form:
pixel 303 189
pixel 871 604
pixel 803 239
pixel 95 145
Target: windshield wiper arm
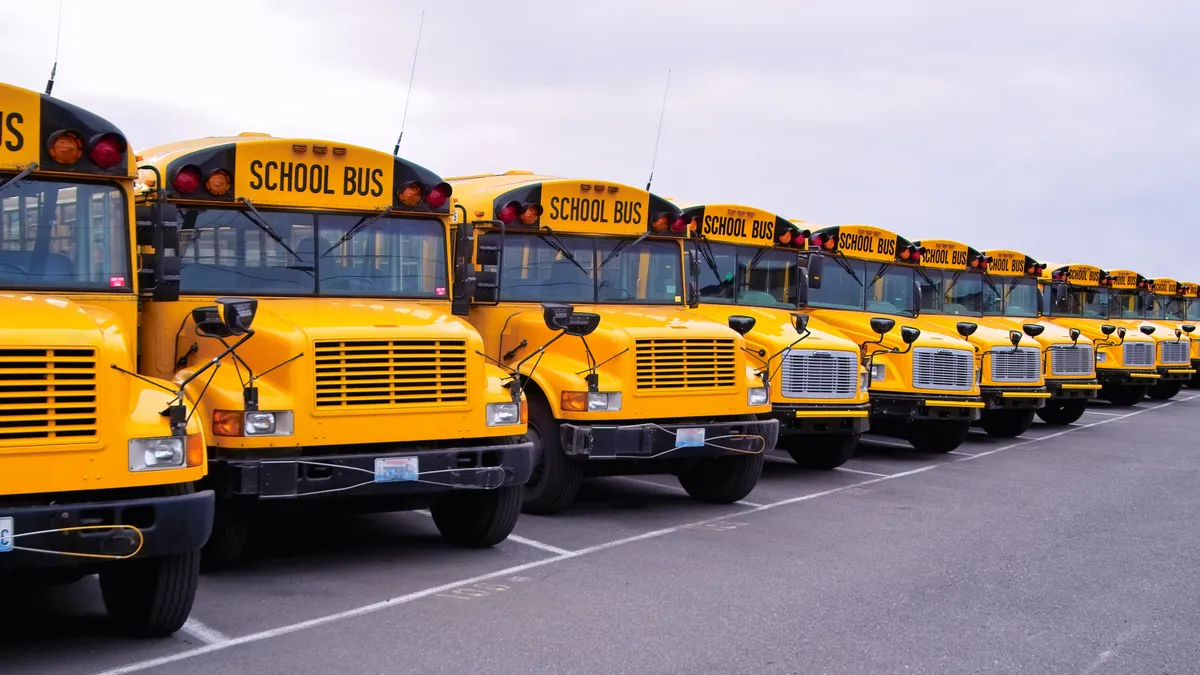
pixel 15 179
pixel 621 246
pixel 883 267
pixel 263 225
pixel 709 258
pixel 557 245
pixel 362 224
pixel 841 261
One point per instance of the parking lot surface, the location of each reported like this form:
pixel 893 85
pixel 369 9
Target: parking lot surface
pixel 1067 550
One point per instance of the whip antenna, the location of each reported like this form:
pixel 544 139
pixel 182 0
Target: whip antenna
pixel 662 113
pixel 411 75
pixel 57 41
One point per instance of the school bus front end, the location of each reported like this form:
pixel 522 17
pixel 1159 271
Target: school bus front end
pixel 357 388
pixel 96 465
pixel 1077 296
pixel 750 266
pixel 654 387
pixel 1189 297
pixel 923 383
pixel 1154 308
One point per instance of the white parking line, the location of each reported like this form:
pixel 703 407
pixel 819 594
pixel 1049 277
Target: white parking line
pixel 1101 412
pixel 643 481
pixel 960 454
pixel 537 544
pixel 750 504
pixel 860 471
pixel 412 597
pixel 204 633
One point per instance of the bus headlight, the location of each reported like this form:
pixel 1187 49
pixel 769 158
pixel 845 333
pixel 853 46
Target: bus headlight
pixel 503 414
pixel 757 396
pixel 878 372
pixel 253 423
pixel 1101 357
pixel 864 381
pixel 591 401
pixel 151 454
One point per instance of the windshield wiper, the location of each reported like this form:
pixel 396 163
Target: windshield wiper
pixel 839 258
pixel 621 246
pixel 556 244
pixel 362 224
pixel 263 225
pixel 883 267
pixel 709 258
pixel 17 178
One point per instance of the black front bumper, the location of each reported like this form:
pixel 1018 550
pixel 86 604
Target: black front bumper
pixel 355 475
pixel 167 525
pixel 1126 378
pixel 658 440
pixel 912 407
pixel 1073 390
pixel 1179 373
pixel 1010 398
pixel 821 419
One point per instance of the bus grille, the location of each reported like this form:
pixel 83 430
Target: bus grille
pixel 811 373
pixel 48 393
pixel 685 363
pixel 1175 353
pixel 1139 354
pixel 357 373
pixel 1072 360
pixel 1022 365
pixel 952 369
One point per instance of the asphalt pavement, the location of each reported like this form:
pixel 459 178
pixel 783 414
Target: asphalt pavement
pixel 1067 550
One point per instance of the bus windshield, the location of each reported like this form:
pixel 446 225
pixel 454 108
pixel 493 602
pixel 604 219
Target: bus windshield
pixel 1019 298
pixel 64 235
pixel 306 253
pixel 957 293
pixel 571 268
pixel 873 287
pixel 1084 303
pixel 1193 309
pixel 767 283
pixel 1125 305
pixel 1162 307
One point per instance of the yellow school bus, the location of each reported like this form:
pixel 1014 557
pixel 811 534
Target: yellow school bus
pixel 1077 296
pixel 1189 293
pixel 1140 303
pixel 923 384
pixel 657 388
pixel 955 292
pixel 359 390
pixel 1012 299
pixel 97 465
pixel 750 266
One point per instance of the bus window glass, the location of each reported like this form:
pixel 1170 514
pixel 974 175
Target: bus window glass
pixel 534 270
pixel 61 235
pixel 964 295
pixel 1020 298
pixel 840 288
pixel 1172 308
pixel 395 257
pixel 717 286
pixel 223 251
pixel 1193 309
pixel 893 289
pixel 645 272
pixel 769 282
pixel 932 290
pixel 1087 303
pixel 1124 305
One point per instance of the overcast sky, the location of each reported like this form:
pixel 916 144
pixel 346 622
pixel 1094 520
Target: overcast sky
pixel 1068 130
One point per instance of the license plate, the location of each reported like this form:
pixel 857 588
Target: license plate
pixel 689 438
pixel 395 469
pixel 6 535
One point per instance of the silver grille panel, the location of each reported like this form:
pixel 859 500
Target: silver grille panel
pixel 947 369
pixel 1075 360
pixel 1139 354
pixel 1175 353
pixel 1022 365
pixel 816 373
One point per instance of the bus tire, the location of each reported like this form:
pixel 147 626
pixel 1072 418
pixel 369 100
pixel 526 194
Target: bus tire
pixel 555 479
pixel 478 518
pixel 1123 396
pixel 1062 413
pixel 152 597
pixel 723 480
pixel 1006 423
pixel 226 545
pixel 822 451
pixel 938 437
pixel 1164 390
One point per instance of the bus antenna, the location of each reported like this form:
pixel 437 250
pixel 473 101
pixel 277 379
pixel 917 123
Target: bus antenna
pixel 662 113
pixel 411 75
pixel 57 41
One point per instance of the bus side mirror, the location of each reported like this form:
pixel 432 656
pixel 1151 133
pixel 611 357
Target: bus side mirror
pixel 916 301
pixel 1108 329
pixel 1074 333
pixel 556 315
pixel 800 291
pixel 882 325
pixel 741 324
pixel 1121 333
pixel 1148 330
pixel 581 324
pixel 1033 330
pixel 463 285
pixel 909 334
pixel 816 269
pixel 1188 328
pixel 209 323
pixel 966 328
pixel 238 313
pixel 693 264
pixel 1041 304
pixel 799 322
pixel 159 273
pixel 1014 336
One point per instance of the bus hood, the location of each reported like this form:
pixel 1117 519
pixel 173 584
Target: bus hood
pixel 1091 328
pixel 1053 334
pixel 649 321
pixel 773 328
pixel 856 326
pixel 987 334
pixel 58 321
pixel 366 318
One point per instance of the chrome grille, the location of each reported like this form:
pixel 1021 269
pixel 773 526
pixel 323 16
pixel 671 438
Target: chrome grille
pixel 1022 365
pixel 356 373
pixel 1139 354
pixel 685 363
pixel 948 369
pixel 48 393
pixel 1073 360
pixel 815 373
pixel 1175 353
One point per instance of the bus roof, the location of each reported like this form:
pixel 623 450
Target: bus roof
pixel 865 242
pixel 739 224
pixel 947 254
pixel 525 200
pixel 59 137
pixel 1005 262
pixel 292 173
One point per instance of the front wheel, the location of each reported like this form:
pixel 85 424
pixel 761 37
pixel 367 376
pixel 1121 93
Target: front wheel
pixel 1006 423
pixel 555 479
pixel 1123 396
pixel 723 480
pixel 1062 413
pixel 938 437
pixel 822 451
pixel 1165 390
pixel 226 546
pixel 478 518
pixel 151 597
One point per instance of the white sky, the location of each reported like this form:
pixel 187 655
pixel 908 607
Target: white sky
pixel 1067 130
